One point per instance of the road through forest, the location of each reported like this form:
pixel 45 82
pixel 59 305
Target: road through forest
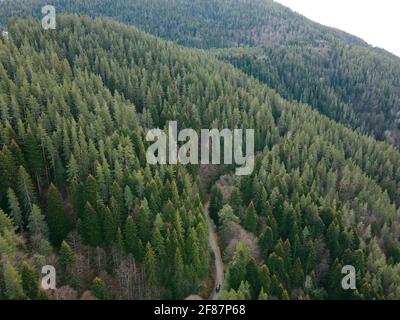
pixel 213 240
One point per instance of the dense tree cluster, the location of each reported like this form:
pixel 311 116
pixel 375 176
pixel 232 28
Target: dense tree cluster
pixel 312 216
pixel 73 159
pixel 336 73
pixel 353 85
pixel 76 191
pixel 196 23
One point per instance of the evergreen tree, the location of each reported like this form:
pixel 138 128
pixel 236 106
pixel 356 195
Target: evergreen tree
pixel 26 191
pixel 67 263
pixel 90 228
pixel 132 242
pixel 15 209
pixel 226 215
pixel 143 221
pixel 235 200
pixel 36 224
pixel 57 218
pixel 30 281
pixel 298 274
pixel 110 225
pixel 250 220
pixel 12 283
pixel 178 276
pixel 216 203
pixel 150 264
pixel 99 289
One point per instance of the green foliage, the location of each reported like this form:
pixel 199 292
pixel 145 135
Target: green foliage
pixel 30 281
pixel 152 272
pixel 15 209
pixel 57 218
pixel 26 191
pixel 226 215
pixel 250 219
pixel 67 263
pixel 12 283
pixel 321 195
pixel 99 289
pixel 132 242
pixel 90 227
pixel 216 203
pixel 36 224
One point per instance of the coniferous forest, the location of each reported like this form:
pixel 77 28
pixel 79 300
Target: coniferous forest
pixel 77 193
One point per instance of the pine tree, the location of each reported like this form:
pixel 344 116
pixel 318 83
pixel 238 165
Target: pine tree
pixel 57 218
pixel 67 263
pixel 30 281
pixel 36 224
pixel 265 279
pixel 235 200
pixel 129 199
pixel 266 241
pixel 158 244
pixel 216 203
pixel 143 221
pixel 15 209
pixel 90 192
pixel 227 215
pixel 178 276
pixel 8 169
pixel 238 267
pixel 119 241
pixel 26 191
pixel 90 226
pixel 250 220
pixel 243 292
pixel 132 242
pixel 12 283
pixel 110 226
pixel 150 263
pixel 253 278
pixel 99 289
pixel 117 203
pixel 6 223
pixel 262 295
pixel 298 274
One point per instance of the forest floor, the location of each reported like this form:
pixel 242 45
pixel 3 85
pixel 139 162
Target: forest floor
pixel 219 265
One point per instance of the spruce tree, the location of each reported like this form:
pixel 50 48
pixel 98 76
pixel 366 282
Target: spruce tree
pixel 57 218
pixel 235 200
pixel 99 289
pixel 110 226
pixel 178 276
pixel 30 281
pixel 143 221
pixel 216 203
pixel 131 238
pixel 90 226
pixel 67 263
pixel 12 283
pixel 36 223
pixel 150 264
pixel 15 209
pixel 26 192
pixel 250 219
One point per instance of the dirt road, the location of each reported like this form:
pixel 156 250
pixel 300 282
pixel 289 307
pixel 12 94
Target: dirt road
pixel 213 240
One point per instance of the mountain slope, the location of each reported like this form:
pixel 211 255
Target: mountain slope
pixel 336 73
pixel 197 23
pixel 322 196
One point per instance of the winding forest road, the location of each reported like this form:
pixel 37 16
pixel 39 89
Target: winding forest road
pixel 213 240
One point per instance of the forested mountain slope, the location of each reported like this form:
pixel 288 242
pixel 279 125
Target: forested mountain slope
pixel 336 73
pixel 198 23
pixel 75 103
